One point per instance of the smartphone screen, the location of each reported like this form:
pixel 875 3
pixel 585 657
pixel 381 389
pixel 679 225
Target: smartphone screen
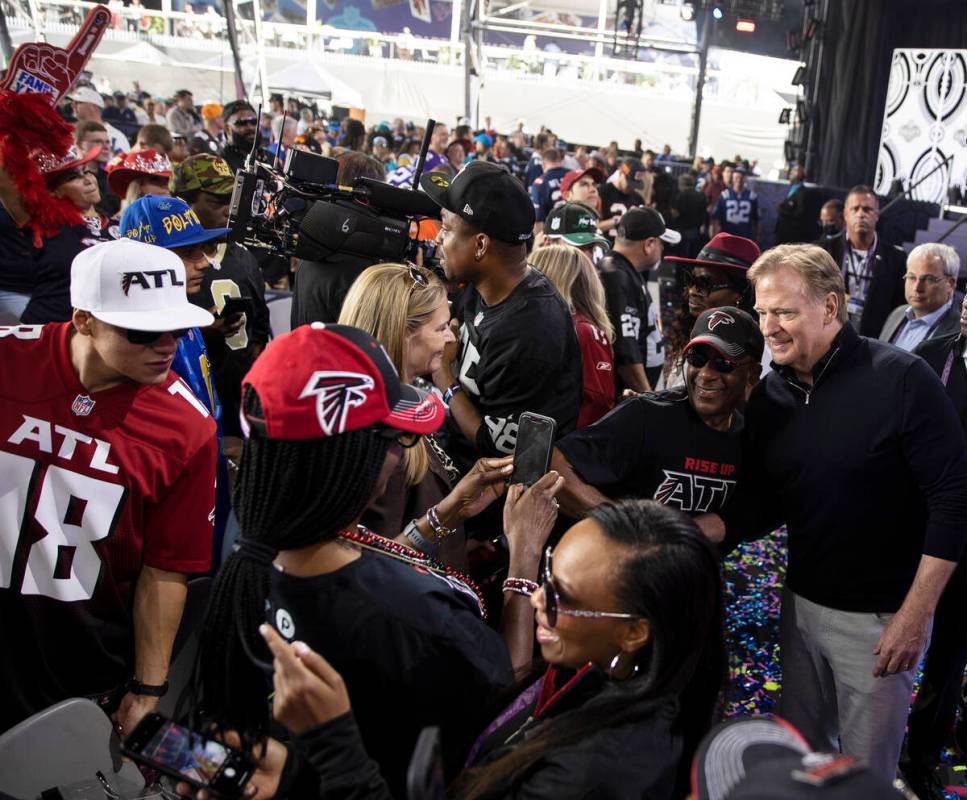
pixel 532 453
pixel 177 751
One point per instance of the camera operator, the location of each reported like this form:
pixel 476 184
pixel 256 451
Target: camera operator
pixel 321 283
pixel 517 347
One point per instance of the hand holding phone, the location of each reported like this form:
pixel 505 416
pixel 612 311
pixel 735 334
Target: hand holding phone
pixel 236 305
pixel 532 452
pixel 194 759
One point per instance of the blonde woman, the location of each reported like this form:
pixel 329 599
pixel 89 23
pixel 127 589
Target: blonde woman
pixel 405 307
pixel 575 277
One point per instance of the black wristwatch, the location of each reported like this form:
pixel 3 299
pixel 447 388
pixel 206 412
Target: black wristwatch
pixel 135 686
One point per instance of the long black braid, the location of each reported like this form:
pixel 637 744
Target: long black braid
pixel 289 494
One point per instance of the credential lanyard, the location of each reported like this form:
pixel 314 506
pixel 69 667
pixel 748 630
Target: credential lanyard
pixel 867 269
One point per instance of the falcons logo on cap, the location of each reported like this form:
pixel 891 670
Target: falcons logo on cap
pixel 719 318
pixel 336 393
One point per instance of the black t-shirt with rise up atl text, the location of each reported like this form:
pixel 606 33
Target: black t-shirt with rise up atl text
pixel 655 446
pixel 518 355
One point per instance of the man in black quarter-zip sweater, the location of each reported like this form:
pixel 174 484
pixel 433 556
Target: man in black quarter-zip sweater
pixel 856 447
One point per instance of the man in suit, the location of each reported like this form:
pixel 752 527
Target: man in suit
pixel 872 270
pixel 935 707
pixel 932 309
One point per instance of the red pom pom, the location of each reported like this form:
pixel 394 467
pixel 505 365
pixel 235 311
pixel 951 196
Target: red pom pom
pixel 28 123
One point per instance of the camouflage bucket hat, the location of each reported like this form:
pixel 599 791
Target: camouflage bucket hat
pixel 205 172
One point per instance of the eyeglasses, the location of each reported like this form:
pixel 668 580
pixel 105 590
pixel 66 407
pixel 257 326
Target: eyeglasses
pixel 552 601
pixel 405 439
pixel 703 283
pixel 930 280
pixel 418 277
pixel 241 123
pixel 698 359
pixel 150 337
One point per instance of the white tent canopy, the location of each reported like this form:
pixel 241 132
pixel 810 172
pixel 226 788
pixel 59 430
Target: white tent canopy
pixel 310 79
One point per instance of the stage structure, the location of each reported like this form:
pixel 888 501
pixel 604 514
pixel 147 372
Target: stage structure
pixel 925 124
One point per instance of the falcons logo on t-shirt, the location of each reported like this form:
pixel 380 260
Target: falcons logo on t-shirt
pixel 336 393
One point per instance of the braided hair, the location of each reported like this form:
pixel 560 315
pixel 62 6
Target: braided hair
pixel 670 575
pixel 289 494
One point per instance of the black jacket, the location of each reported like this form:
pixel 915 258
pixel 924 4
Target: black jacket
pixel 634 760
pixel 935 352
pixel 886 285
pixel 867 468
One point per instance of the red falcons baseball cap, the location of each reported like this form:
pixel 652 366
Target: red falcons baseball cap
pixel 322 380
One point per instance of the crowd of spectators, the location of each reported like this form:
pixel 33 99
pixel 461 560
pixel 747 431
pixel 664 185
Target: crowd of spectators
pixel 349 484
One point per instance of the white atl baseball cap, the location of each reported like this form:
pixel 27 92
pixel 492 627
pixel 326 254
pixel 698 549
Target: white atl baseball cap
pixel 85 94
pixel 134 285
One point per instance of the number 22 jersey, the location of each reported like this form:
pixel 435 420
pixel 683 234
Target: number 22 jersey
pixel 93 486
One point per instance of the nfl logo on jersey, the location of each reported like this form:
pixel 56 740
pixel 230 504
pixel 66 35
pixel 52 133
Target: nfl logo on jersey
pixel 82 405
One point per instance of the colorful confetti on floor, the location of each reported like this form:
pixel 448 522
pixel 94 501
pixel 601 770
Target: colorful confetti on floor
pixel 754 576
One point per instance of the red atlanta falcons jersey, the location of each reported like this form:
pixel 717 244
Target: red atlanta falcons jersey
pixel 92 487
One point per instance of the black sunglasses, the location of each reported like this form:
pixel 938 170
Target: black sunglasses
pixel 418 277
pixel 246 121
pixel 698 360
pixel 552 602
pixel 405 438
pixel 703 283
pixel 150 337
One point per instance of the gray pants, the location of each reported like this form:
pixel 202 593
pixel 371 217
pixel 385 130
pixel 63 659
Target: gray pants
pixel 828 689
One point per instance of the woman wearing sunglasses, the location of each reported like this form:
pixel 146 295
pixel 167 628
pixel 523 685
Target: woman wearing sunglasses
pixel 629 616
pixel 405 308
pixel 715 278
pixel 72 181
pixel 327 421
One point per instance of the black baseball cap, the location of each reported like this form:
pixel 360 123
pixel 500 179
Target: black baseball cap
pixel 234 107
pixel 765 758
pixel 729 331
pixel 575 223
pixel 486 196
pixel 642 223
pixel 633 170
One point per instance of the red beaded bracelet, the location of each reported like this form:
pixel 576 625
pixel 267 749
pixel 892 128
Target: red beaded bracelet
pixel 519 586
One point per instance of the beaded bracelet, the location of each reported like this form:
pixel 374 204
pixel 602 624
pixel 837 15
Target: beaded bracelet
pixel 519 586
pixel 439 530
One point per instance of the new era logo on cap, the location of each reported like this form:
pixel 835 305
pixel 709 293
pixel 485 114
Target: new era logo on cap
pixel 468 210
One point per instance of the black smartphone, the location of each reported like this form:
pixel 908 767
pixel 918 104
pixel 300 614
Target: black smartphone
pixel 532 453
pixel 424 778
pixel 168 747
pixel 236 305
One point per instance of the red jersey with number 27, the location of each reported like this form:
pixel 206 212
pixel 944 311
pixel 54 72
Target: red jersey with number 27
pixel 92 487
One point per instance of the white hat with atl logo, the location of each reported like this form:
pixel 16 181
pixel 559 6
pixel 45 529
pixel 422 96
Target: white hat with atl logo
pixel 134 285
